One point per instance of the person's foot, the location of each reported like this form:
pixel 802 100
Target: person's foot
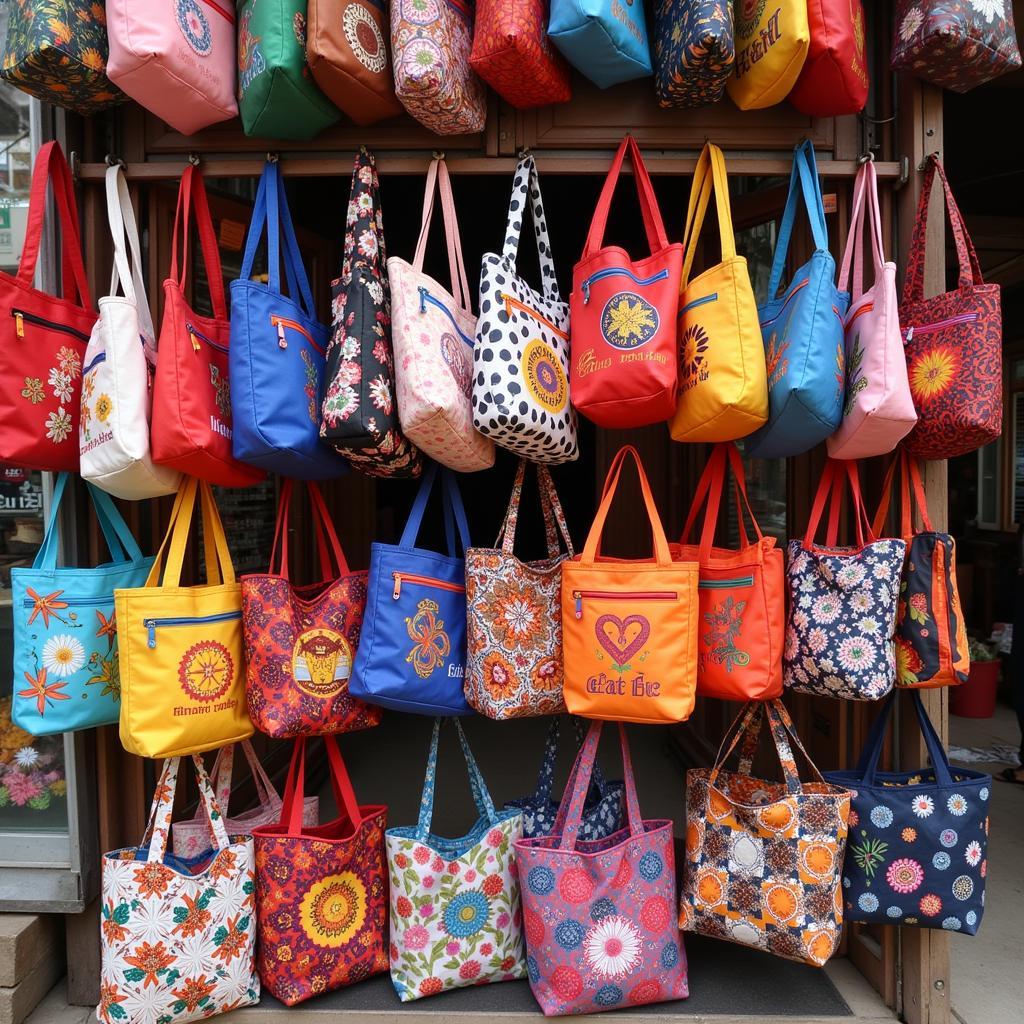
pixel 1013 775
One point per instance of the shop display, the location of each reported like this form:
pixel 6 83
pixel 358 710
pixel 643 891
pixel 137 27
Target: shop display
pixel 694 51
pixel 771 46
pixel 603 39
pixel 834 79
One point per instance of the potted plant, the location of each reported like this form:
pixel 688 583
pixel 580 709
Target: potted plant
pixel 977 697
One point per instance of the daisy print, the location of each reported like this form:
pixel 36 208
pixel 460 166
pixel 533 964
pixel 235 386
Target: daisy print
pixel 973 853
pixel 61 384
pixel 868 625
pixel 612 947
pixel 912 21
pixel 58 425
pixel 63 655
pixel 861 601
pixel 989 9
pixel 922 805
pixel 368 244
pixel 957 805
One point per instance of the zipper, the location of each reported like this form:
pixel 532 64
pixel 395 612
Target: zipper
pixel 511 304
pixel 21 318
pixel 426 297
pixel 620 595
pixel 661 275
pixel 422 581
pixel 713 297
pixel 282 322
pixel 939 325
pixel 866 308
pixel 198 336
pixel 73 602
pixel 785 302
pixel 152 625
pixel 738 581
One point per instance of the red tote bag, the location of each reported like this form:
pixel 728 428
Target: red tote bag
pixel 191 398
pixel 834 80
pixel 44 337
pixel 623 353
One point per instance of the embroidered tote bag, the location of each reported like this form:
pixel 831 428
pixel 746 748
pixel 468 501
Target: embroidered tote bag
pixel 931 632
pixel 953 343
pixel 623 311
pixel 325 924
pixel 412 652
pixel 606 41
pixel 629 627
pixel 723 392
pixel 694 51
pixel 918 838
pixel 359 417
pixel 300 640
pixel 842 601
pixel 521 355
pixel 117 372
pixel 771 47
pixel 192 427
pixel 802 331
pixel 176 59
pixel 834 79
pixel 182 662
pixel 455 913
pixel 44 337
pixel 741 594
pixel 763 859
pixel 955 44
pixel 433 339
pixel 66 674
pixel 878 410
pixel 430 45
pixel 276 356
pixel 178 938
pixel 514 616
pixel 598 914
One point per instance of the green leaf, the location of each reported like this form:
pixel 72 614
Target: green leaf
pixel 243 924
pixel 180 914
pixel 172 977
pixel 134 974
pixel 121 913
pixel 204 901
pixel 117 1011
pixel 451 965
pixel 249 888
pixel 220 935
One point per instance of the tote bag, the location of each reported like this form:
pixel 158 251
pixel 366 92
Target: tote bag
pixel 300 640
pixel 514 616
pixel 842 602
pixel 624 362
pixel 953 343
pixel 878 410
pixel 723 390
pixel 763 859
pixel 802 331
pixel 182 662
pixel 521 356
pixel 741 594
pixel 412 652
pixel 433 339
pixel 606 41
pixel 175 59
pixel 458 897
pixel 192 426
pixel 117 372
pixel 276 356
pixel 771 46
pixel 918 853
pixel 834 79
pixel 66 673
pixel 598 914
pixel 44 337
pixel 694 51
pixel 178 938
pixel 629 627
pixel 324 926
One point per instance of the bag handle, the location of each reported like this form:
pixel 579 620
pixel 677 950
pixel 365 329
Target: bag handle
pixel 709 176
pixel 867 763
pixel 546 776
pixel 526 198
pixel 554 517
pixel 911 495
pixel 834 477
pixel 295 786
pixel 223 771
pixel 454 513
pixel 121 217
pixel 192 199
pixel 331 557
pixel 359 222
pixel 438 173
pixel 865 204
pixel 159 826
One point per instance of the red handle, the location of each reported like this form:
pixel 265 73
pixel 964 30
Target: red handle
pixel 192 198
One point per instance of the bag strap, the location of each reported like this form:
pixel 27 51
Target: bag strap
pixel 867 763
pixel 295 786
pixel 546 775
pixel 192 199
pixel 331 558
pixel 836 474
pixel 223 772
pixel 554 517
pixel 132 281
pixel 368 220
pixel 454 513
pixel 438 173
pixel 159 827
pixel 865 205
pixel 526 198
pixel 709 176
pixel 911 495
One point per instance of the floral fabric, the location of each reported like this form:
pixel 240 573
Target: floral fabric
pixel 694 52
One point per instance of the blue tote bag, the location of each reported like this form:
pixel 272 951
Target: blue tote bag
pixel 606 40
pixel 66 673
pixel 917 852
pixel 412 650
pixel 802 331
pixel 277 350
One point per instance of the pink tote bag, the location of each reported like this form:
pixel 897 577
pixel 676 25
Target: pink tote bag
pixel 878 410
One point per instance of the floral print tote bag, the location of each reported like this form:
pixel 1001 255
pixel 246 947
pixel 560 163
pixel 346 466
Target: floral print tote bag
pixel 842 602
pixel 455 913
pixel 177 937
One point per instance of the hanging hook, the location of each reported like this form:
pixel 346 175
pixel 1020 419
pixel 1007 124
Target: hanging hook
pixel 524 152
pixel 114 161
pixel 438 154
pixel 272 158
pixel 866 158
pixel 923 165
pixel 193 159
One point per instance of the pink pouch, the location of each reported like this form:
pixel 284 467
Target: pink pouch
pixel 175 58
pixel 878 410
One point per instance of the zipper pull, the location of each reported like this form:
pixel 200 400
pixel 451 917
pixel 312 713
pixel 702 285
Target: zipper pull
pixel 397 592
pixel 19 325
pixel 282 342
pixel 192 334
pixel 150 625
pixel 585 288
pixel 423 299
pixel 910 335
pixel 579 603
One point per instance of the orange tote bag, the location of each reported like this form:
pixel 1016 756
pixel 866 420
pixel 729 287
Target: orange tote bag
pixel 629 627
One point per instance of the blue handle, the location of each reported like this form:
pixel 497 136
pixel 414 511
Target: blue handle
pixel 867 765
pixel 453 510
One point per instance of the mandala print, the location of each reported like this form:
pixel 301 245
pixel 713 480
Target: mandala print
pixel 194 26
pixel 206 671
pixel 693 347
pixel 365 38
pixel 748 15
pixel 544 376
pixel 334 910
pixel 628 321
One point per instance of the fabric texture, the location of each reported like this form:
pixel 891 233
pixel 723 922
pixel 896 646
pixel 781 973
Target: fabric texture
pixel 694 51
pixel 772 40
pixel 602 39
pixel 834 79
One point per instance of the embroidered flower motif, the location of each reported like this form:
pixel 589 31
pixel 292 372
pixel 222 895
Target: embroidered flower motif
pixel 63 655
pixel 380 394
pixel 912 21
pixel 334 910
pixel 58 425
pixel 612 948
pixel 932 372
pixel 930 905
pixel 949 838
pixel 973 853
pixel 33 390
pixel 868 902
pixel 957 805
pixel 104 407
pixel 499 677
pixel 922 805
pixel 61 384
pixel 904 875
pixel 466 914
pixel 69 361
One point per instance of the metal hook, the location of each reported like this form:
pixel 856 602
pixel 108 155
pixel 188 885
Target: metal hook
pixel 114 161
pixel 878 120
pixel 438 154
pixel 272 158
pixel 923 165
pixel 866 158
pixel 524 152
pixel 193 159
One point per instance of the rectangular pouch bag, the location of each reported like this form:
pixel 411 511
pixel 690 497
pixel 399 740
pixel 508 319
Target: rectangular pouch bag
pixel 326 926
pixel 694 51
pixel 606 40
pixel 433 340
pixel 802 331
pixel 521 355
pixel 834 79
pixel 183 664
pixel 448 893
pixel 764 859
pixel 918 852
pixel 629 627
pixel 953 343
pixel 412 651
pixel 628 949
pixel 771 46
pixel 301 639
pixel 44 336
pixel 623 311
pixel 66 674
pixel 723 389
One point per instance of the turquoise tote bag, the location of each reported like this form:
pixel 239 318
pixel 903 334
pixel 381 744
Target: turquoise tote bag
pixel 606 40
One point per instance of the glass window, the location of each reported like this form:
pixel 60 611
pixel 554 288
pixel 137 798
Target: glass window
pixel 988 480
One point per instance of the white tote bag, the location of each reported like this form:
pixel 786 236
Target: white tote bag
pixel 521 356
pixel 113 432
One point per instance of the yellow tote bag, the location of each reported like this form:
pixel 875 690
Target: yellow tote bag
pixel 723 385
pixel 182 666
pixel 772 37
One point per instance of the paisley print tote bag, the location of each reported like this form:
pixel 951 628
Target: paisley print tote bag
pixel 521 355
pixel 455 912
pixel 842 601
pixel 694 51
pixel 599 914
